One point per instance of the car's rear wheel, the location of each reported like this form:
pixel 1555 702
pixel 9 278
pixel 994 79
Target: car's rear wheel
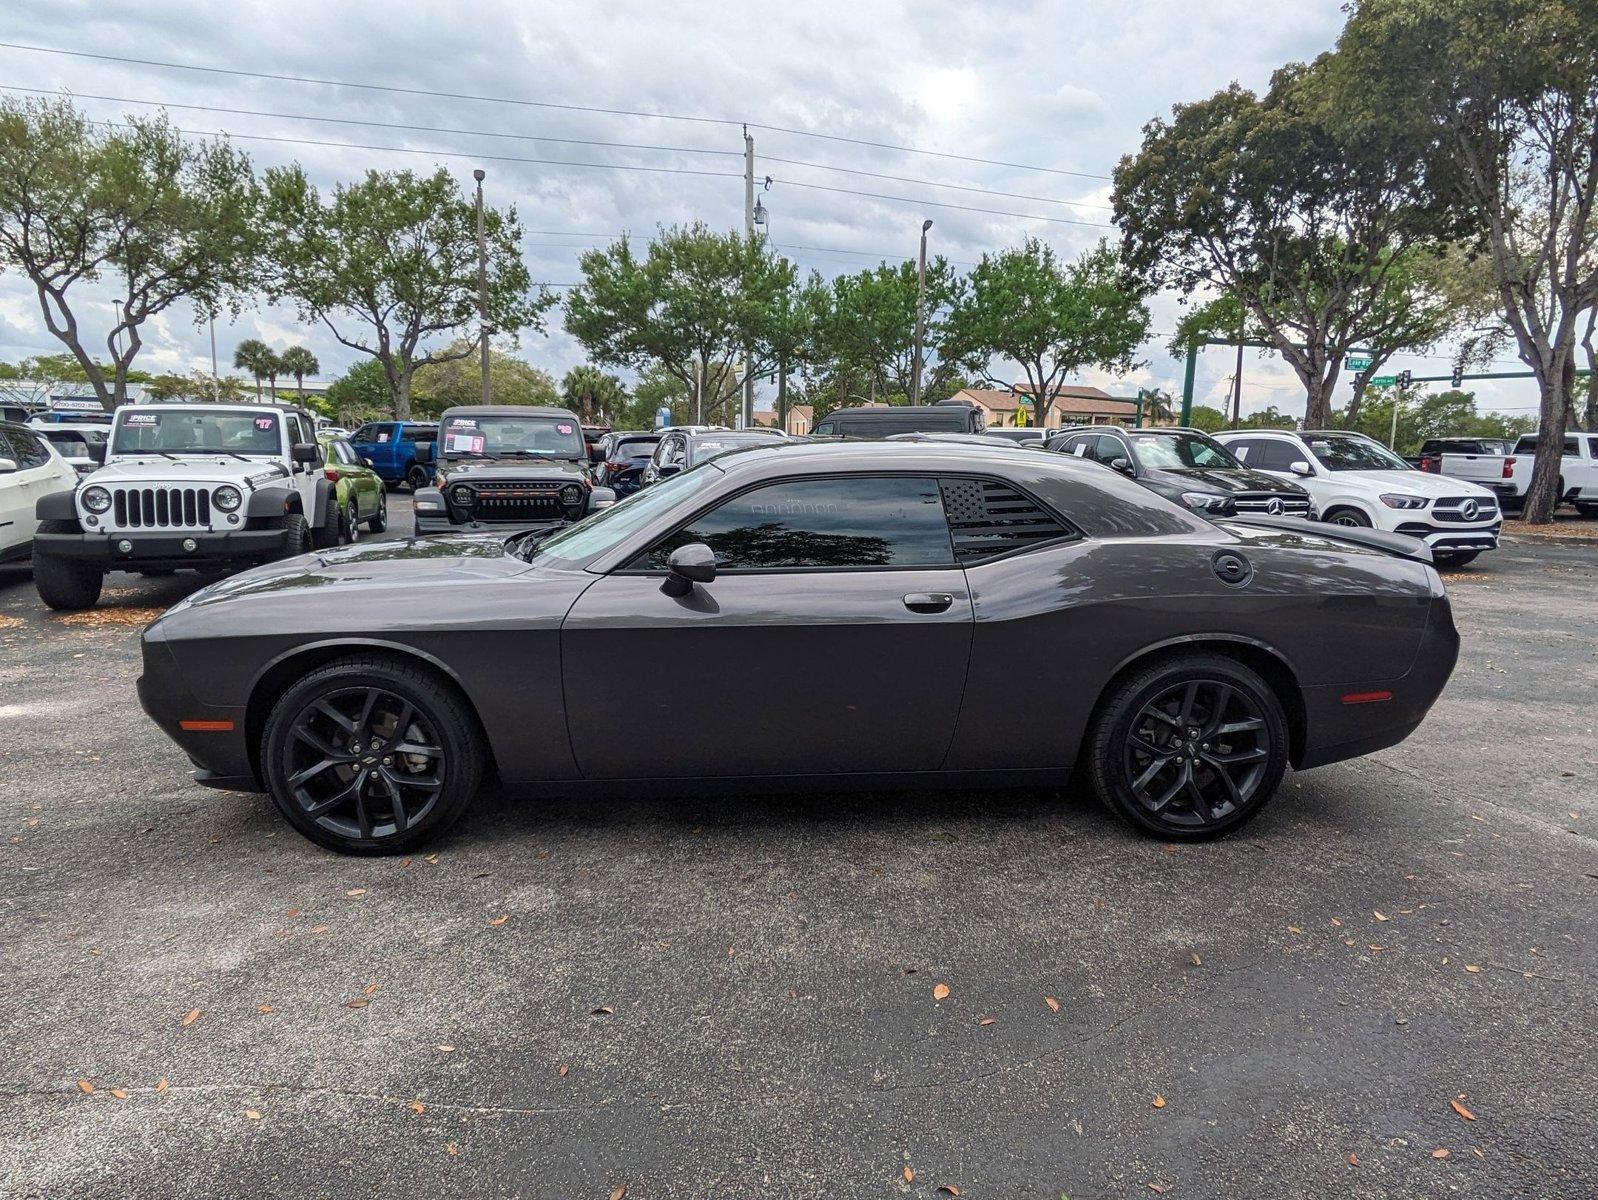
pixel 351 530
pixel 1190 747
pixel 379 521
pixel 371 756
pixel 65 585
pixel 418 477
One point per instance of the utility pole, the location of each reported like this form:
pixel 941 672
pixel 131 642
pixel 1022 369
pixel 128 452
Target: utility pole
pixel 699 393
pixel 921 315
pixel 482 281
pixel 746 415
pixel 1237 381
pixel 216 379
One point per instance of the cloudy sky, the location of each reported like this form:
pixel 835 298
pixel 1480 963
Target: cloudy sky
pixel 1059 91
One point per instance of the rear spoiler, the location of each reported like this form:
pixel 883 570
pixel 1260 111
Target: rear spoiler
pixel 1393 543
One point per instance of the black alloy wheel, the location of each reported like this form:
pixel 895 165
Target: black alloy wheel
pixel 371 756
pixel 1189 748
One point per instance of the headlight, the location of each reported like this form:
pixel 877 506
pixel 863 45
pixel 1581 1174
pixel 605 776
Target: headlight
pixel 462 495
pixel 571 494
pixel 227 498
pixel 1207 502
pixel 96 499
pixel 1397 501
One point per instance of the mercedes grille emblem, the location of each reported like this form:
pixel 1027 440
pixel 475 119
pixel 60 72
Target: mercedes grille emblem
pixel 1275 506
pixel 1469 509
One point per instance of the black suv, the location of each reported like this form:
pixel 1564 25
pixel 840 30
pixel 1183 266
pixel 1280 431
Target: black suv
pixel 1188 466
pixel 508 467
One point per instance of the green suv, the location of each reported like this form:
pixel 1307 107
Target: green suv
pixel 362 498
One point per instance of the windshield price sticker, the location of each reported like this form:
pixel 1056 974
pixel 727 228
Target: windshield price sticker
pixel 565 429
pixel 466 443
pixel 141 419
pixel 264 423
pixel 464 423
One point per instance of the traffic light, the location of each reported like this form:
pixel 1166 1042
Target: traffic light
pixel 1458 377
pixel 1404 378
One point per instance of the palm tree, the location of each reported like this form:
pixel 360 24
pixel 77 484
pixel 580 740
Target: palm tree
pixel 591 392
pixel 298 362
pixel 256 357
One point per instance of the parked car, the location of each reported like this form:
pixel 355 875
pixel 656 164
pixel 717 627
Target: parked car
pixel 622 459
pixel 83 446
pixel 1017 433
pixel 362 499
pixel 1358 482
pixel 1187 466
pixel 401 452
pixel 879 420
pixel 204 487
pixel 887 599
pixel 592 436
pixel 1434 451
pixel 1578 472
pixel 30 469
pixel 679 449
pixel 505 466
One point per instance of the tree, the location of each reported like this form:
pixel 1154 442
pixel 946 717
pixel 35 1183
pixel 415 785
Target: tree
pixel 256 357
pixel 1501 97
pixel 1423 415
pixel 361 394
pixel 197 385
pixel 389 264
pixel 592 393
pixel 1260 198
pixel 694 305
pixel 456 380
pixel 167 218
pixel 870 324
pixel 298 362
pixel 1050 318
pixel 1207 419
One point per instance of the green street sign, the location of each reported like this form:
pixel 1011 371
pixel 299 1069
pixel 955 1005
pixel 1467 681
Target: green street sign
pixel 1384 381
pixel 1358 362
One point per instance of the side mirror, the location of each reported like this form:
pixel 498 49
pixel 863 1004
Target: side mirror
pixel 306 452
pixel 366 462
pixel 1301 468
pixel 668 469
pixel 1123 465
pixel 601 497
pixel 688 565
pixel 96 451
pixel 7 465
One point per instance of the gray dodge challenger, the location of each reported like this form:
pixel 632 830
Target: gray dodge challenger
pixel 815 616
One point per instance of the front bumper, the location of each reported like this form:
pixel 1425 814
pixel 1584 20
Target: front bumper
pixel 161 550
pixel 1453 539
pixel 220 755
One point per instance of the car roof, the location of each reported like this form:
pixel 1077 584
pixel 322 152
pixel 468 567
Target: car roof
pixel 507 410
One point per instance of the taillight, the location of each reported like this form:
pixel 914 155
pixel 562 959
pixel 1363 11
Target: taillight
pixel 618 466
pixel 1428 463
pixel 1509 468
pixel 331 473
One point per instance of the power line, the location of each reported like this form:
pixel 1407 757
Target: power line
pixel 958 187
pixel 583 108
pixel 820 187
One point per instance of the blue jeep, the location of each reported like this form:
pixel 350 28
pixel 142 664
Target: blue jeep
pixel 399 451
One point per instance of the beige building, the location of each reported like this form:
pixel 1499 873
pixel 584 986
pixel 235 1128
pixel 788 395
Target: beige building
pixel 1074 405
pixel 800 418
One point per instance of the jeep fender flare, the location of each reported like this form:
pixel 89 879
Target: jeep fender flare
pixel 57 506
pixel 324 503
pixel 272 503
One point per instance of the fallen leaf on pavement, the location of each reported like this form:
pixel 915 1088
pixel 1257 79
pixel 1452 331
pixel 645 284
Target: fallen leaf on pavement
pixel 1440 1152
pixel 1294 929
pixel 563 1070
pixel 1159 1102
pixel 85 1086
pixel 618 1192
pixel 1379 916
pixel 500 920
pixel 909 1175
pixel 1197 961
pixel 602 1011
pixel 162 1085
pixel 264 1008
pixel 948 1189
pixel 987 1020
pixel 119 1093
pixel 1054 1005
pixel 358 1002
pixel 319 928
pixel 190 1017
pixel 1472 968
pixel 369 989
pixel 452 1150
pixel 1462 1110
pixel 446 1048
pixel 252 1114
pixel 418 1107
pixel 940 991
pixel 1353 1160
pixel 356 892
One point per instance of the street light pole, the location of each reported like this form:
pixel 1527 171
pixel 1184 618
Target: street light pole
pixel 746 414
pixel 921 316
pixel 482 281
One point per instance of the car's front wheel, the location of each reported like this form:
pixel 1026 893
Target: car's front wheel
pixel 371 756
pixel 1190 747
pixel 1450 561
pixel 64 585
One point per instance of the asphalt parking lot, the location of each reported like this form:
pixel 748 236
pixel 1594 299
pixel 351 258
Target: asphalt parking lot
pixel 1383 987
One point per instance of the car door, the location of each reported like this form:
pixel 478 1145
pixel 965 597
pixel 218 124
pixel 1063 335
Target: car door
pixel 834 639
pixel 16 505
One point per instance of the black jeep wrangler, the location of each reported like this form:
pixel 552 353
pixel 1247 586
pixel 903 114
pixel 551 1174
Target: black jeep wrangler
pixel 508 467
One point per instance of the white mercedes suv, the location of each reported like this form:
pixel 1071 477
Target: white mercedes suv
pixel 1355 480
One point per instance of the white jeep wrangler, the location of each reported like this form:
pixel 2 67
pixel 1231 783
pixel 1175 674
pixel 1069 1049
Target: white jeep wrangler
pixel 203 487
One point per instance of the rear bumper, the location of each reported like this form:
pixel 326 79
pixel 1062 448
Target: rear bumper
pixel 165 550
pixel 1348 720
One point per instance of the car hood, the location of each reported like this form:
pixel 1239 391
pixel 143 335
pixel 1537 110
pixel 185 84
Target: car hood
pixel 1414 483
pixel 441 561
pixel 471 469
pixel 1228 479
pixel 188 468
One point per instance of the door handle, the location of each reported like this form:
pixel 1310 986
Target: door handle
pixel 928 602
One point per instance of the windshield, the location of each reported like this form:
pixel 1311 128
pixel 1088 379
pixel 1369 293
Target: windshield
pixel 579 543
pixel 637 448
pixel 1337 453
pixel 513 436
pixel 1177 451
pixel 706 448
pixel 191 432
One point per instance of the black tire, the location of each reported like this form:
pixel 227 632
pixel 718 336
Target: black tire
pixel 1234 723
pixel 418 477
pixel 1589 511
pixel 1350 517
pixel 296 535
pixel 65 586
pixel 1450 561
pixel 379 523
pixel 362 817
pixel 327 535
pixel 349 526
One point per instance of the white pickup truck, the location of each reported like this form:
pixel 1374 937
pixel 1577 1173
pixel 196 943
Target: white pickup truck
pixel 1578 472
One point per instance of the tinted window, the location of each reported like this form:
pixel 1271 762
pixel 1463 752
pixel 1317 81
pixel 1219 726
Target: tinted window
pixel 29 449
pixel 988 518
pixel 194 431
pixel 634 448
pixel 1528 445
pixel 1271 454
pixel 862 521
pixel 1178 450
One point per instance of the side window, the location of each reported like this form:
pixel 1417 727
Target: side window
pixel 296 434
pixel 363 434
pixel 5 448
pixel 840 523
pixel 988 518
pixel 1570 450
pixel 1592 447
pixel 1243 451
pixel 29 450
pixel 1110 449
pixel 676 450
pixel 1272 455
